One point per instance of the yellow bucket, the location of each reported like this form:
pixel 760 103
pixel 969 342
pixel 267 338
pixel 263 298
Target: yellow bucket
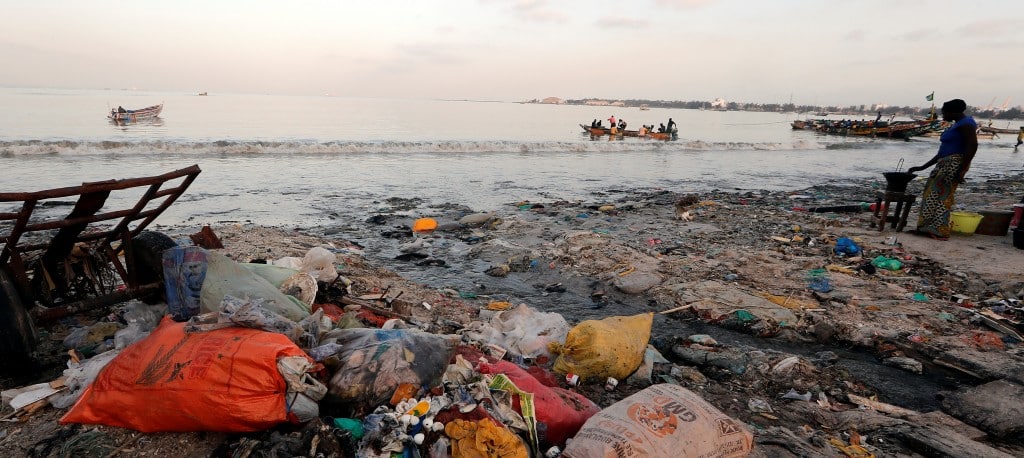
pixel 964 222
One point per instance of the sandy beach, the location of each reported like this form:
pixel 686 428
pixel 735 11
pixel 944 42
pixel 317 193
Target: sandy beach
pixel 904 362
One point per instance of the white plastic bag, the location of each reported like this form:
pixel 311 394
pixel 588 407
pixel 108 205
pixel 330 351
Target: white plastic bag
pixel 225 277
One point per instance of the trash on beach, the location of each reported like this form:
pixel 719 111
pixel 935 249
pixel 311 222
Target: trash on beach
pixel 560 411
pixel 887 263
pixel 845 246
pixel 523 331
pixel 224 380
pixel 597 349
pixel 424 225
pixel 184 273
pixel 318 262
pixel 661 420
pixel 226 277
pixel 373 362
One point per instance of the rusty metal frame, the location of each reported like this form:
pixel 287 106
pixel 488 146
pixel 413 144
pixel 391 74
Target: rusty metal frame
pixel 71 231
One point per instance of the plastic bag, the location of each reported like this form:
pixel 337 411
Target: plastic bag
pixel 79 376
pixel 661 420
pixel 141 319
pixel 251 313
pixel 373 362
pixel 225 380
pixel 318 262
pixel 523 331
pixel 184 272
pixel 886 263
pixel 597 349
pixel 845 246
pixel 226 277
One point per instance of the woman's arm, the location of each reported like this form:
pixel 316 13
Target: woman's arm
pixel 930 163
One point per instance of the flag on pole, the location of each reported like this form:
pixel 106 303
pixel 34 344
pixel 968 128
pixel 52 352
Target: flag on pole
pixel 930 97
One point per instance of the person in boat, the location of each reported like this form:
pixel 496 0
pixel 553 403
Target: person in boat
pixel 611 121
pixel 957 147
pixel 622 124
pixel 671 125
pixel 121 109
pixel 879 117
pixel 593 123
pixel 661 128
pixel 643 130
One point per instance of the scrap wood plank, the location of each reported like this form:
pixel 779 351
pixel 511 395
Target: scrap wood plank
pixel 994 321
pixel 882 407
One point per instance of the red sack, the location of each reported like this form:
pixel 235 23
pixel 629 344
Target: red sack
pixel 561 410
pixel 224 380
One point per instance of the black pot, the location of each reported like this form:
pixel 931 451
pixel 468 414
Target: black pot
pixel 897 181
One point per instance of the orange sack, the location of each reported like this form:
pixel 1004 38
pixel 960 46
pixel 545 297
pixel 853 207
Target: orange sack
pixel 224 380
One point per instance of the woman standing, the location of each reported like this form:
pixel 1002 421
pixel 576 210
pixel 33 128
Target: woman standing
pixel 959 143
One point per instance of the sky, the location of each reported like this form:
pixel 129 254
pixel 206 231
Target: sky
pixel 809 52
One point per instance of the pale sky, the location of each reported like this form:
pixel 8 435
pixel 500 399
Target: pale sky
pixel 815 52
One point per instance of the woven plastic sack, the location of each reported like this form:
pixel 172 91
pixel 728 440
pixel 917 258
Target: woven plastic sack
pixel 225 380
pixel 598 349
pixel 662 420
pixel 562 412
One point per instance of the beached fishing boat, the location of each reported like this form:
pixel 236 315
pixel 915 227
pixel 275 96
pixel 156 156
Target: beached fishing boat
pixel 121 115
pixel 997 130
pixel 882 129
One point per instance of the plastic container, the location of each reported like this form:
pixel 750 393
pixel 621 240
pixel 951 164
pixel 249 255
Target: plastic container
pixel 964 222
pixel 994 222
pixel 1018 212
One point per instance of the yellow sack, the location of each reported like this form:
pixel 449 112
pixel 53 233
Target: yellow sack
pixel 612 347
pixel 484 439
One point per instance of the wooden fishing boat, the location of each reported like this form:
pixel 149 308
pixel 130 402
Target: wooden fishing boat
pixel 997 130
pixel 121 115
pixel 598 131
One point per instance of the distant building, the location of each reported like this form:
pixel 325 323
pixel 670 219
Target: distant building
pixel 596 103
pixel 618 104
pixel 553 101
pixel 719 103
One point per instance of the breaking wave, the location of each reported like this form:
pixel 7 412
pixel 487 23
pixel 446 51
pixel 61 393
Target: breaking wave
pixel 229 147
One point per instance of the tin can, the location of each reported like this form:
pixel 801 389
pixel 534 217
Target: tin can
pixel 572 379
pixel 611 383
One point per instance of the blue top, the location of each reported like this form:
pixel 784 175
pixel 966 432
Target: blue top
pixel 953 140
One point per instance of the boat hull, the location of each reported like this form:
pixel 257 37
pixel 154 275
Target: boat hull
pixel 136 115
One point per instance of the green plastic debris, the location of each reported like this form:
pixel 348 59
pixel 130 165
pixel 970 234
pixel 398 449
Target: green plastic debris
pixel 920 297
pixel 887 263
pixel 351 425
pixel 745 316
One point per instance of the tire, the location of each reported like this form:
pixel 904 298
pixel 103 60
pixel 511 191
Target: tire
pixel 147 250
pixel 17 333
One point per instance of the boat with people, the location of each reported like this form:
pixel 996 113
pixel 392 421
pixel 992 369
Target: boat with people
pixel 120 114
pixel 599 131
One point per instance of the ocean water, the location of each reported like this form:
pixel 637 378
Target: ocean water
pixel 311 161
